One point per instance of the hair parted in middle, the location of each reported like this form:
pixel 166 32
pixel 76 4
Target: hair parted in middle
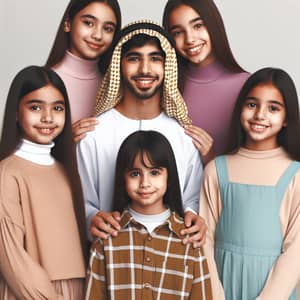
pixel 160 154
pixel 110 90
pixel 288 136
pixel 212 18
pixel 26 81
pixel 62 39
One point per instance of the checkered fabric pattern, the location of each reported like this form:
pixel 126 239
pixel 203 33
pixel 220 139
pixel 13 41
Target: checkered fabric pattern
pixel 110 92
pixel 137 265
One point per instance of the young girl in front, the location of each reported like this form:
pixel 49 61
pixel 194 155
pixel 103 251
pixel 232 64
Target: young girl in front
pixel 147 259
pixel 210 76
pixel 42 222
pixel 250 197
pixel 80 55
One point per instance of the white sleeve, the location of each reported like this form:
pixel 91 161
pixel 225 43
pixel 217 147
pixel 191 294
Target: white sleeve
pixel 89 175
pixel 192 182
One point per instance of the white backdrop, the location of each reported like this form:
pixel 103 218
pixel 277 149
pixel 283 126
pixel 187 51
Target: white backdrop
pixel 261 32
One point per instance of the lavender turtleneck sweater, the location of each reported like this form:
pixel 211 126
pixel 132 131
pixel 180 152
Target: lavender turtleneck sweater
pixel 210 93
pixel 81 78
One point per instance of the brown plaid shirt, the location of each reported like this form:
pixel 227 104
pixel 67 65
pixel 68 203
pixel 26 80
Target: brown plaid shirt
pixel 139 265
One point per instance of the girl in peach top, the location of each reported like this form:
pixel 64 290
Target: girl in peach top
pixel 250 197
pixel 42 222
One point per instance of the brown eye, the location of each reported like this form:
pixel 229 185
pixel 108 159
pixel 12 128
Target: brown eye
pixel 35 107
pixel 251 105
pixel 134 173
pixel 59 108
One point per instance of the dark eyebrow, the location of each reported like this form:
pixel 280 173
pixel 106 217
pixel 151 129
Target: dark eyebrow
pixel 191 22
pixel 269 101
pixel 196 20
pixel 42 102
pixel 156 53
pixel 132 53
pixel 251 98
pixel 88 16
pixel 94 18
pixel 276 102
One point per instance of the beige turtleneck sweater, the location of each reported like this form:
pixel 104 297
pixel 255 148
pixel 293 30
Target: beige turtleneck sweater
pixel 40 252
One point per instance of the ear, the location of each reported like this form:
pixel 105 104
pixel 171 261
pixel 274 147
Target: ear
pixel 285 123
pixel 67 26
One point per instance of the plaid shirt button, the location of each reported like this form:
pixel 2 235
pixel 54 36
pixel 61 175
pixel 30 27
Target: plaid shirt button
pixel 147 285
pixel 148 259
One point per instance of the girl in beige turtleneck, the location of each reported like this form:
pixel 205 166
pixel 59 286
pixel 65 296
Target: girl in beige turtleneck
pixel 42 224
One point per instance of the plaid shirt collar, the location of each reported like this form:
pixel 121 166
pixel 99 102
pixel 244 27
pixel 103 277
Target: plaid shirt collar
pixel 175 223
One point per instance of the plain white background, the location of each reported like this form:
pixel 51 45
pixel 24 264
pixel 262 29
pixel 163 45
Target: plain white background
pixel 261 32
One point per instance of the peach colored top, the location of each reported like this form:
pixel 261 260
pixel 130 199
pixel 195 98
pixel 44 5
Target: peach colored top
pixel 258 168
pixel 39 239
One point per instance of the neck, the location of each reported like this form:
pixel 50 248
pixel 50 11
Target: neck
pixel 138 109
pixel 79 67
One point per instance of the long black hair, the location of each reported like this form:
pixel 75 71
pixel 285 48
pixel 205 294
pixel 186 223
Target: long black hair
pixel 62 40
pixel 288 136
pixel 158 150
pixel 212 18
pixel 27 80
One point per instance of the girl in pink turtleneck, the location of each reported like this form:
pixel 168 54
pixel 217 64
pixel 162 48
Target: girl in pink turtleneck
pixel 210 76
pixel 80 54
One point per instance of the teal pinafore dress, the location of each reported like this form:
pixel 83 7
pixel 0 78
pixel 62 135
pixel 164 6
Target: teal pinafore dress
pixel 248 238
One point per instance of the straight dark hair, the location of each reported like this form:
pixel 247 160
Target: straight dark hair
pixel 26 81
pixel 160 154
pixel 215 27
pixel 62 40
pixel 288 137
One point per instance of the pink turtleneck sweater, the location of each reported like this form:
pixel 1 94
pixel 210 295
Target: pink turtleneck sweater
pixel 210 93
pixel 81 78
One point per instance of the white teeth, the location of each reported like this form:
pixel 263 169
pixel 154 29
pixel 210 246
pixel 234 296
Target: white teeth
pixel 194 50
pixel 145 81
pixel 258 127
pixel 46 130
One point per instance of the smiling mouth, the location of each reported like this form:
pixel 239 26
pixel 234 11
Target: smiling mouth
pixel 195 50
pixel 258 127
pixel 145 195
pixel 94 46
pixel 46 130
pixel 144 82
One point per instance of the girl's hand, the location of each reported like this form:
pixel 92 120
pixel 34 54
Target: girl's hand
pixel 202 141
pixel 81 127
pixel 196 229
pixel 105 223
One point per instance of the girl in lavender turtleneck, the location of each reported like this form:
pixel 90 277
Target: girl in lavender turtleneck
pixel 80 54
pixel 210 76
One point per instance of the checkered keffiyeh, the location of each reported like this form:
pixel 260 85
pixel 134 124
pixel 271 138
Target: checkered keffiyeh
pixel 110 94
pixel 137 265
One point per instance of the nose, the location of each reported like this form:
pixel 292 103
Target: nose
pixel 145 182
pixel 260 113
pixel 47 116
pixel 144 66
pixel 189 36
pixel 97 33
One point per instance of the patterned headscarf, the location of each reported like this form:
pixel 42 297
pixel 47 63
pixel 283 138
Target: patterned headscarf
pixel 110 92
